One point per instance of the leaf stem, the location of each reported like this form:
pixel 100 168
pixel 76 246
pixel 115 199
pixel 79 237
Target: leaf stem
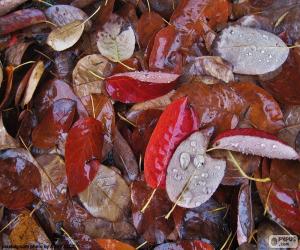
pixel 126 120
pixel 95 12
pixel 44 2
pixel 68 235
pixel 140 246
pixel 234 161
pixel 227 240
pixel 93 107
pixel 148 201
pixel 96 75
pixel 25 63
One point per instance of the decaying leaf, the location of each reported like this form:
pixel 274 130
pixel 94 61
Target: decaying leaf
pixel 66 36
pixel 33 81
pixel 116 40
pixel 87 74
pixel 6 141
pixel 8 5
pixel 1 73
pixel 251 51
pixel 27 232
pixel 107 196
pixel 14 54
pixel 64 14
pixel 192 175
pixel 53 178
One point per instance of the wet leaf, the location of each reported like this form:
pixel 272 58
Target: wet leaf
pixel 107 196
pixel 52 91
pixel 27 232
pixel 148 24
pixel 1 73
pixel 84 143
pixel 56 121
pixel 108 244
pixel 8 5
pixel 251 51
pixel 19 180
pixel 64 37
pixel 85 80
pixel 176 123
pixel 20 19
pixel 116 39
pixel 9 84
pixel 213 66
pixel 192 175
pixel 33 81
pixel 15 53
pixel 245 222
pixel 64 14
pixel 186 245
pixel 53 178
pixel 6 141
pixel 124 157
pixel 138 86
pixel 151 224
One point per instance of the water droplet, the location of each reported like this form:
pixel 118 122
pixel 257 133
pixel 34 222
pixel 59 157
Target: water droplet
pixel 249 54
pixel 253 48
pixel 231 32
pixel 262 51
pixel 270 56
pixel 174 170
pixel 262 145
pixel 201 183
pixel 235 145
pixel 274 146
pixel 268 60
pixel 198 203
pixel 177 177
pixel 259 60
pixel 196 177
pixel 218 167
pixel 206 190
pixel 199 161
pixel 193 143
pixel 204 175
pixel 184 159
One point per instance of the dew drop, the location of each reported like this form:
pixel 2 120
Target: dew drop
pixel 193 143
pixel 262 51
pixel 218 167
pixel 270 56
pixel 206 190
pixel 177 177
pixel 198 203
pixel 235 145
pixel 262 145
pixel 199 161
pixel 174 170
pixel 204 175
pixel 231 32
pixel 184 159
pixel 274 146
pixel 201 183
pixel 268 60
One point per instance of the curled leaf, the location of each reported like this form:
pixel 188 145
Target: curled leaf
pixel 6 141
pixel 251 51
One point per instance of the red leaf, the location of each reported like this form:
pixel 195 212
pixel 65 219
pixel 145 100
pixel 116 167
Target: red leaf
pixel 138 86
pixel 84 143
pixel 175 124
pixel 9 85
pixel 20 19
pixel 109 244
pixel 186 245
pixel 57 120
pixel 18 178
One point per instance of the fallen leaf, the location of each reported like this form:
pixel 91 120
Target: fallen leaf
pixel 57 120
pixel 107 196
pixel 84 143
pixel 212 66
pixel 64 37
pixel 52 91
pixel 6 140
pixel 9 85
pixel 8 5
pixel 82 3
pixel 1 73
pixel 251 51
pixel 151 224
pixel 53 178
pixel 192 175
pixel 15 53
pixel 64 14
pixel 20 19
pixel 85 80
pixel 116 39
pixel 108 244
pixel 255 142
pixel 176 123
pixel 20 180
pixel 124 157
pixel 27 232
pixel 245 220
pixel 138 86
pixel 33 81
pixel 65 62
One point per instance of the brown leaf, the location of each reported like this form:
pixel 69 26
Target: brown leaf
pixel 85 80
pixel 151 224
pixel 53 178
pixel 6 141
pixel 9 84
pixel 107 196
pixel 57 120
pixel 8 5
pixel 15 53
pixel 64 37
pixel 124 157
pixel 28 232
pixel 33 81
